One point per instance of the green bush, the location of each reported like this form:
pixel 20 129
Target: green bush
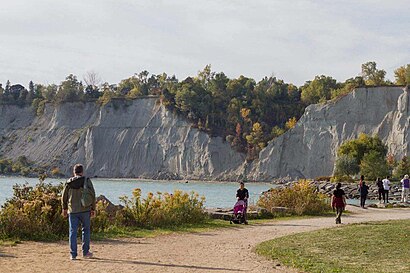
pixel 301 198
pixel 374 165
pixel 162 209
pixel 33 213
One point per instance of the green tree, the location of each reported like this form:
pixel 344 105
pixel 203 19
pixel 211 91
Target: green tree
pixel 318 90
pixel 346 165
pixel 403 167
pixel 357 148
pixel 374 165
pixel 70 90
pixel 372 75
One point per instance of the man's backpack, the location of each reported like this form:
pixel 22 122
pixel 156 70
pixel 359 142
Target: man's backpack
pixel 87 196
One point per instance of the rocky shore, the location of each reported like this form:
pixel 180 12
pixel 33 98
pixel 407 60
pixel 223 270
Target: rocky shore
pixel 351 189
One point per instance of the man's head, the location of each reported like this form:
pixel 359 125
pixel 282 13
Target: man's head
pixel 242 185
pixel 78 169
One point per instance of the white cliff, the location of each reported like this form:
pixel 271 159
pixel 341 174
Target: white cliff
pixel 138 138
pixel 141 138
pixel 309 150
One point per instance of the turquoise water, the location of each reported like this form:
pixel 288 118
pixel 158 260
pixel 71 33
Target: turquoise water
pixel 217 194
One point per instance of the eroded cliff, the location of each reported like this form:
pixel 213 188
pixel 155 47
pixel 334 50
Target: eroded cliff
pixel 138 138
pixel 309 150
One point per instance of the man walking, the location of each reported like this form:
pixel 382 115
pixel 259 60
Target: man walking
pixel 78 200
pixel 405 183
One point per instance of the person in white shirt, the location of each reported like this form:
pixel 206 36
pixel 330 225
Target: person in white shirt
pixel 386 187
pixel 405 183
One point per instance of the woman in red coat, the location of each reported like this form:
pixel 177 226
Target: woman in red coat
pixel 338 202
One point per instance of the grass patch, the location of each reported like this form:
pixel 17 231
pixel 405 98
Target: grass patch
pixel 359 248
pixel 9 242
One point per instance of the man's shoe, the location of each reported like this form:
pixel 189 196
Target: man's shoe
pixel 88 255
pixel 73 258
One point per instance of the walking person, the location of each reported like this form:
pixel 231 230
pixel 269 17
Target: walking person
pixel 405 183
pixel 380 188
pixel 338 202
pixel 243 194
pixel 386 187
pixel 364 190
pixel 78 201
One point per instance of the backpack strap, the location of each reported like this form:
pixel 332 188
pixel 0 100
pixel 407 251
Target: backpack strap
pixel 85 182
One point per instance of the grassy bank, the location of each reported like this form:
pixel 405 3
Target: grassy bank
pixel 371 247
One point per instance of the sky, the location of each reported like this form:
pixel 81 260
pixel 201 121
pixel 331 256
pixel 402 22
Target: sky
pixel 46 40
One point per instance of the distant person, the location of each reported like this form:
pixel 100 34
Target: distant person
pixel 405 184
pixel 386 187
pixel 380 188
pixel 243 194
pixel 364 191
pixel 361 180
pixel 78 200
pixel 338 202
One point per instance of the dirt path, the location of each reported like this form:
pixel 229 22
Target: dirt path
pixel 226 250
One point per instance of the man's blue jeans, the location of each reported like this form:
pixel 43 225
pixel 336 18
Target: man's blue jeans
pixel 74 219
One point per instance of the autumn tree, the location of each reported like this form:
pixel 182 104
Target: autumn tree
pixel 372 75
pixel 402 75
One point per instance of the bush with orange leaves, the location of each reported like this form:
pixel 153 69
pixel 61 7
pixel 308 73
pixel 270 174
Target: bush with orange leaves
pixel 301 198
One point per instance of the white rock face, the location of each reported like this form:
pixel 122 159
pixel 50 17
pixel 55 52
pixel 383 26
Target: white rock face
pixel 138 138
pixel 141 138
pixel 309 150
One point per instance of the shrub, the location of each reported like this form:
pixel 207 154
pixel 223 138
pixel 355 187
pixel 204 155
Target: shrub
pixel 301 198
pixel 161 209
pixel 342 178
pixel 33 213
pixel 56 171
pixel 323 178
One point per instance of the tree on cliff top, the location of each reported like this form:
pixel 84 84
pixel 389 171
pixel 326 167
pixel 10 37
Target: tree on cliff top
pixel 70 90
pixel 318 90
pixel 372 75
pixel 402 75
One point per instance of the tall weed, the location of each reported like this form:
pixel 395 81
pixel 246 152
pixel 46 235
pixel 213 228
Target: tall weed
pixel 301 198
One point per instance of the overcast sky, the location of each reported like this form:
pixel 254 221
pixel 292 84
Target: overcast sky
pixel 45 40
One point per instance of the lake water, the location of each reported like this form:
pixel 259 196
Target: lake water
pixel 217 194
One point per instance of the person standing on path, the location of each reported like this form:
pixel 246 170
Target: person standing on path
pixel 78 201
pixel 338 202
pixel 243 194
pixel 386 187
pixel 364 190
pixel 405 183
pixel 380 188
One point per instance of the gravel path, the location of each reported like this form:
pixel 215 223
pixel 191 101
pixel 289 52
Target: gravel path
pixel 223 250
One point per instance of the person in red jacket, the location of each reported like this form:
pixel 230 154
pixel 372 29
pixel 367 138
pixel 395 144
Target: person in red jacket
pixel 338 202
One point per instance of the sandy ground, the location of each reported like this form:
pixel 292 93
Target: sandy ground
pixel 223 250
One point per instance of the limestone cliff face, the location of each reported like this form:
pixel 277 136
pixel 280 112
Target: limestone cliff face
pixel 141 138
pixel 137 138
pixel 309 149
